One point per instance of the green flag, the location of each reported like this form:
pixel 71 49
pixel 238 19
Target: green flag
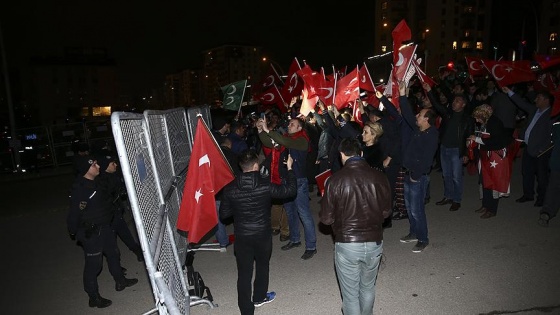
pixel 233 95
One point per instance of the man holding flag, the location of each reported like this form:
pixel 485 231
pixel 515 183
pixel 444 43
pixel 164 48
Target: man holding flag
pixel 248 200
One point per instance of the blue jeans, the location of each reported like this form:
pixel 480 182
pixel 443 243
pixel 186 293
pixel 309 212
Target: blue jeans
pixel 298 209
pixel 221 233
pixel 452 169
pixel 414 193
pixel 356 269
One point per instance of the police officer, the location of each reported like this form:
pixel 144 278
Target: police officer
pixel 111 181
pixel 89 221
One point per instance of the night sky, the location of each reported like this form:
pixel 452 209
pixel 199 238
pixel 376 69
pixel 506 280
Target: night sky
pixel 150 40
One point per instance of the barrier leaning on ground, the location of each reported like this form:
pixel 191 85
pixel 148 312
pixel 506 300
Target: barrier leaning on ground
pixel 154 151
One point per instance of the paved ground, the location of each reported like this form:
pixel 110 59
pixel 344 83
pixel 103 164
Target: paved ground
pixel 504 265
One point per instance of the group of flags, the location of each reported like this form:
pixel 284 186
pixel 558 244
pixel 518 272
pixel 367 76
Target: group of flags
pixel 512 72
pixel 208 170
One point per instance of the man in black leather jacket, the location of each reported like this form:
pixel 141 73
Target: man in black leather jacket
pixel 357 199
pixel 248 199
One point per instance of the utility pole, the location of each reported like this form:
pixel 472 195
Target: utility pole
pixel 14 143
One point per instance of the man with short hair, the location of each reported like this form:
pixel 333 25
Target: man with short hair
pixel 357 199
pixel 537 136
pixel 248 200
pixel 417 161
pixel 297 144
pixel 455 127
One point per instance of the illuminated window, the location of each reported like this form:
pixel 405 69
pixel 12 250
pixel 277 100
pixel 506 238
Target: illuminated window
pixel 383 48
pixel 552 37
pixel 466 45
pixel 479 45
pixel 467 33
pixel 454 45
pixel 468 9
pixel 384 5
pixel 101 111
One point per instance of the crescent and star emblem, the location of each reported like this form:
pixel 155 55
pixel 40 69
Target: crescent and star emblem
pixel 293 79
pixel 203 160
pixel 197 194
pixel 400 61
pixel 363 79
pixel 266 83
pixel 494 72
pixel 233 89
pixel 266 99
pixel 471 65
pixel 330 89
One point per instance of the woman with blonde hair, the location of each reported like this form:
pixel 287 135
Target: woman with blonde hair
pixel 371 149
pixel 495 158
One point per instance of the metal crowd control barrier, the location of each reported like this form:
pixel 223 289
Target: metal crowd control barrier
pixel 154 151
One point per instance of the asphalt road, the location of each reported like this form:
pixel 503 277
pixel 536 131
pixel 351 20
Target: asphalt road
pixel 504 265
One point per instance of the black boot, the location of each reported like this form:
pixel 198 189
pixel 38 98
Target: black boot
pixel 98 301
pixel 125 283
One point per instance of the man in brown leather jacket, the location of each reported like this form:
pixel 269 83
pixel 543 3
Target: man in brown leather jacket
pixel 357 199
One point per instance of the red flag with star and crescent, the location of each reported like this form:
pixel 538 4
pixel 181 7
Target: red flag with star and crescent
pixel 207 174
pixel 496 170
pixel 510 72
pixel 347 89
pixel 293 85
pixel 475 66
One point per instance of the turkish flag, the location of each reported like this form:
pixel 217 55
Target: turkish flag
pixel 475 66
pixel 366 83
pixel 321 180
pixel 271 79
pixel 356 113
pixel 273 96
pixel 400 33
pixel 547 61
pixel 347 89
pixel 545 82
pixel 313 81
pixel 401 66
pixel 496 169
pixel 509 72
pixel 207 174
pixel 293 85
pixel 326 92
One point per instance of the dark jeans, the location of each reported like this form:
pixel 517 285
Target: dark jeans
pixel 101 242
pixel 249 250
pixel 531 168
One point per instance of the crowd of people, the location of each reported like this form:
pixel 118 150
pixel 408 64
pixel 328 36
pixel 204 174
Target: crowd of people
pixel 381 166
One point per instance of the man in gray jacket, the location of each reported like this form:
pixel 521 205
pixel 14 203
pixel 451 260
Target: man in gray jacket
pixel 357 199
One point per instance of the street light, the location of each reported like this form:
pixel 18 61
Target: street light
pixel 495 51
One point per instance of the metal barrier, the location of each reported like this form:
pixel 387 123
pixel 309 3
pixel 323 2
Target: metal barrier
pixel 154 151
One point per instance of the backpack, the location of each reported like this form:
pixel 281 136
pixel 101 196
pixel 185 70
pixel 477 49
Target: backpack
pixel 196 284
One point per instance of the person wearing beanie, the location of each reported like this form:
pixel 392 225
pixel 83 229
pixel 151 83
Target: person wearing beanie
pixel 89 222
pixel 110 180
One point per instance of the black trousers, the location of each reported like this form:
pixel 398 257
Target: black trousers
pixel 535 167
pixel 249 250
pixel 101 242
pixel 122 230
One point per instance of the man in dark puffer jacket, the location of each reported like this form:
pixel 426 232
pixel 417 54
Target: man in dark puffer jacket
pixel 248 200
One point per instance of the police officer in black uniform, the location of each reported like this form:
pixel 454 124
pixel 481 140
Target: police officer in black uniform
pixel 89 221
pixel 111 181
